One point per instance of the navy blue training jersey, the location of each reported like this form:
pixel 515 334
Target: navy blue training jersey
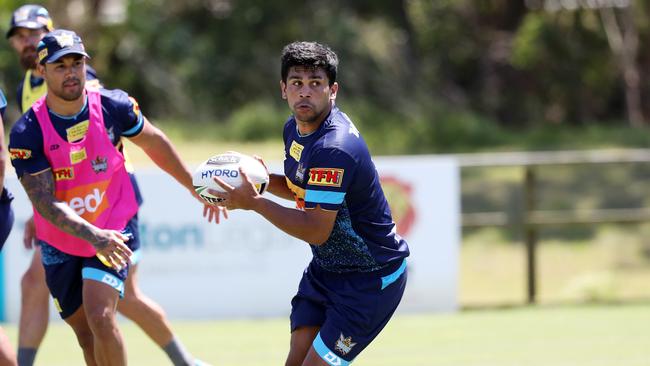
pixel 122 117
pixel 332 168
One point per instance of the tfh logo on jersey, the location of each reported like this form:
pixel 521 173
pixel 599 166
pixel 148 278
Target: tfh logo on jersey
pixel 87 201
pixel 63 173
pixel 330 177
pixel 22 154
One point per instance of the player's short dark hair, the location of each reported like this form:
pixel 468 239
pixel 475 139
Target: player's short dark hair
pixel 309 54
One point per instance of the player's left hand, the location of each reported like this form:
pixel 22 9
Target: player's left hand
pixel 242 197
pixel 211 212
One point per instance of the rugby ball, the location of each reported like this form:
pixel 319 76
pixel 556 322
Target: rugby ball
pixel 226 166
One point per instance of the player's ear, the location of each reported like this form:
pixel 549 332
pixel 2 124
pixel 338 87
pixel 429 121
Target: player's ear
pixel 333 90
pixel 283 89
pixel 40 68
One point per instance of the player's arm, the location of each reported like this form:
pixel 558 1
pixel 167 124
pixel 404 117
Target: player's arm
pixel 160 150
pixel 278 186
pixel 40 190
pixel 313 225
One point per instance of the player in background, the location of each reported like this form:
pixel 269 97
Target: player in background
pixel 29 24
pixel 62 64
pixel 7 355
pixel 357 276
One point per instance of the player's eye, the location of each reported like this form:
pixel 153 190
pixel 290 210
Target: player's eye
pixel 296 83
pixel 315 83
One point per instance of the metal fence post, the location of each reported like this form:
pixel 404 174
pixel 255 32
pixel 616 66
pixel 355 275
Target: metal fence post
pixel 531 233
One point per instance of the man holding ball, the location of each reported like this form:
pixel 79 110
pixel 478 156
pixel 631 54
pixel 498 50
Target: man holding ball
pixel 357 276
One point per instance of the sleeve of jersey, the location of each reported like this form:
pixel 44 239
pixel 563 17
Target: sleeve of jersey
pixel 330 174
pixel 132 118
pixel 26 150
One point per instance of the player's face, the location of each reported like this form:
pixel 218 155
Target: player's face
pixel 24 42
pixel 308 93
pixel 66 76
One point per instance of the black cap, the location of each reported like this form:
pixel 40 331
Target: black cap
pixel 59 43
pixel 31 17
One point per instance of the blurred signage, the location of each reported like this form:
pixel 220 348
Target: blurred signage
pixel 199 270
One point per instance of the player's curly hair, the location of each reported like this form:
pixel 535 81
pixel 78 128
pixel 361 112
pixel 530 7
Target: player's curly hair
pixel 309 54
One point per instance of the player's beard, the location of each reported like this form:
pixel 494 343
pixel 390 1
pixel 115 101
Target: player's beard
pixel 70 93
pixel 28 58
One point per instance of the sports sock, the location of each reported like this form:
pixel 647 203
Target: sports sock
pixel 26 356
pixel 178 354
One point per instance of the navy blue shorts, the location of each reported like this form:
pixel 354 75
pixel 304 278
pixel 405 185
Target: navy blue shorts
pixel 64 273
pixel 350 308
pixel 6 216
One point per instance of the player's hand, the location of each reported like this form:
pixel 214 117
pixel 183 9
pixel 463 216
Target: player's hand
pixel 111 249
pixel 29 234
pixel 243 197
pixel 212 212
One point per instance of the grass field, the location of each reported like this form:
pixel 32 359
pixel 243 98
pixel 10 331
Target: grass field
pixel 529 336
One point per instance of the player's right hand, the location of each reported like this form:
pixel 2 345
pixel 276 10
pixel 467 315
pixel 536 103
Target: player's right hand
pixel 29 234
pixel 111 249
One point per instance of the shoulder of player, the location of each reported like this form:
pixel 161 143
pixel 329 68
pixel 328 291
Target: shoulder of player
pixel 115 99
pixel 26 123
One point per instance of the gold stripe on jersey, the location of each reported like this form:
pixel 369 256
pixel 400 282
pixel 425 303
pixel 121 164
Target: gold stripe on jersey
pixel 298 194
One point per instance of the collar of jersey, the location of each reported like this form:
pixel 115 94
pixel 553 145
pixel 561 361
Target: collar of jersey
pixel 74 116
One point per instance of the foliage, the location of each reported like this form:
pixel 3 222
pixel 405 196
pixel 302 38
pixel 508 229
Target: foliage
pixel 456 74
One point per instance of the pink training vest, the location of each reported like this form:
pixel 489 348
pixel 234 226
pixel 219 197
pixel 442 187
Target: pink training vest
pixel 89 176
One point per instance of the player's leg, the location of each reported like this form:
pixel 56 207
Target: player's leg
pixel 79 325
pixel 145 312
pixel 151 318
pixel 360 306
pixel 7 355
pixel 301 340
pixel 100 305
pixel 34 310
pixel 308 310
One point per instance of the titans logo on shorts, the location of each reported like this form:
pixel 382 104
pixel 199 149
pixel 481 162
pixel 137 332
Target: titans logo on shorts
pixel 350 308
pixel 332 168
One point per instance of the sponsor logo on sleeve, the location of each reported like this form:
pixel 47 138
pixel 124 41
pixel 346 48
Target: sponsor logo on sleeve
pixel 136 106
pixel 22 154
pixel 63 173
pixel 296 150
pixel 77 156
pixel 329 177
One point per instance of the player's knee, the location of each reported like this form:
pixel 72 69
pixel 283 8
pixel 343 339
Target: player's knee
pixel 85 339
pixel 31 281
pixel 101 321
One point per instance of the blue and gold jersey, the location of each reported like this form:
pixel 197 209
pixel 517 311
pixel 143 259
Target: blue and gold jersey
pixel 332 168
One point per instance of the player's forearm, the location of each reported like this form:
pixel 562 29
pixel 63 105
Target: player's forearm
pixel 167 158
pixel 278 187
pixel 39 190
pixel 294 222
pixel 160 150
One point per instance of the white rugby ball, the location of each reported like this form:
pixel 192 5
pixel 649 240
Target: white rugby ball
pixel 226 166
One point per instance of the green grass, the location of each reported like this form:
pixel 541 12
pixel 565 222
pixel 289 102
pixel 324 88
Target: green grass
pixel 558 336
